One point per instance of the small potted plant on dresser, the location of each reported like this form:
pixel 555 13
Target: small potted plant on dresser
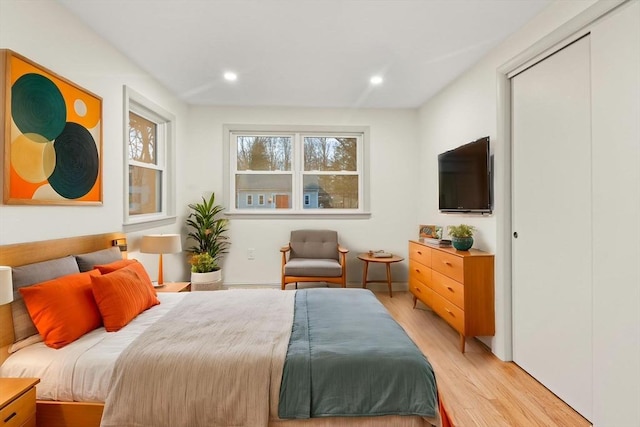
pixel 461 236
pixel 207 229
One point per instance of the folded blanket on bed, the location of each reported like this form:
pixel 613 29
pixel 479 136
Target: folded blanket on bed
pixel 348 357
pixel 214 360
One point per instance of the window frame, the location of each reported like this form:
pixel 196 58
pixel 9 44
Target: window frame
pixel 298 132
pixel 136 103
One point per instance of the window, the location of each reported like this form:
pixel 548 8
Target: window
pixel 149 194
pixel 299 171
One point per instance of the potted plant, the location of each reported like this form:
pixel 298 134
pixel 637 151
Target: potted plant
pixel 204 271
pixel 207 229
pixel 461 236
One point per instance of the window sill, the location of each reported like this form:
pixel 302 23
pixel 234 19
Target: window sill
pixel 148 223
pixel 298 215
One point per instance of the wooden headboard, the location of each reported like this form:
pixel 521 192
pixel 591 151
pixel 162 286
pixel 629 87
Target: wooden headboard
pixel 26 253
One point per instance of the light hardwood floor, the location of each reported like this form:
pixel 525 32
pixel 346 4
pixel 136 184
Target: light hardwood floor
pixel 477 388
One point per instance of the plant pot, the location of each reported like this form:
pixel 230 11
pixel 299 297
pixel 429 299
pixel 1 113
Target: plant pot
pixel 210 281
pixel 462 243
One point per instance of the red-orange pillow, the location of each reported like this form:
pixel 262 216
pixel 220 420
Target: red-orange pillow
pixel 63 309
pixel 113 266
pixel 123 294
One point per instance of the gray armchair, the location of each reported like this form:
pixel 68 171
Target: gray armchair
pixel 314 256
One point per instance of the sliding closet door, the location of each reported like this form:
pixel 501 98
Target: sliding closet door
pixel 552 278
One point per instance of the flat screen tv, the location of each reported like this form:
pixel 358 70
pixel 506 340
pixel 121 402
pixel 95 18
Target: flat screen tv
pixel 464 178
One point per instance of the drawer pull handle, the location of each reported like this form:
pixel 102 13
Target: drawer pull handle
pixel 446 263
pixel 6 420
pixel 419 253
pixel 450 288
pixel 418 289
pixel 417 270
pixel 449 311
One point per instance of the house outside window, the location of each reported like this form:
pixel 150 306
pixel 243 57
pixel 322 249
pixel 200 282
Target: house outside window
pixel 148 141
pixel 294 171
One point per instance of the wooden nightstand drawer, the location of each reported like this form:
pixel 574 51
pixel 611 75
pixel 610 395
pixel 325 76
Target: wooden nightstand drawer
pixel 420 253
pixel 419 272
pixel 20 412
pixel 448 311
pixel 448 288
pixel 449 265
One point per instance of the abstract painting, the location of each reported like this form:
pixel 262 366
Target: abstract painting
pixel 52 136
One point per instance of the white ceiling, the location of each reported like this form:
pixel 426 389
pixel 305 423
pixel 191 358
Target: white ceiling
pixel 306 53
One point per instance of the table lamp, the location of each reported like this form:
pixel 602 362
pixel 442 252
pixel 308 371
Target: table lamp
pixel 161 244
pixel 6 285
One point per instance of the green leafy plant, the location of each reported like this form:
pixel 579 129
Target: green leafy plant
pixel 202 263
pixel 462 230
pixel 207 228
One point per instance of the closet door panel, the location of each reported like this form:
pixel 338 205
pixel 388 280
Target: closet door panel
pixel 551 196
pixel 616 217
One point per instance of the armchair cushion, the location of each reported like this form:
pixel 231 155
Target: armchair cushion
pixel 317 244
pixel 313 267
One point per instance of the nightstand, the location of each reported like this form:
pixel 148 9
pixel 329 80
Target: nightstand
pixel 174 287
pixel 18 402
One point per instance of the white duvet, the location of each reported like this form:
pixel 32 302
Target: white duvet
pixel 81 371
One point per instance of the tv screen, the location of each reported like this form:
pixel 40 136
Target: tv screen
pixel 464 178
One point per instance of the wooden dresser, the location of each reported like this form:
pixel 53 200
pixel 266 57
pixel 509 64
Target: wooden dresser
pixel 457 285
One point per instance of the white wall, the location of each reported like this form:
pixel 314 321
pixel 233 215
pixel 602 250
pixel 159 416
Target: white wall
pixel 49 35
pixel 403 149
pixel 467 110
pixel 394 193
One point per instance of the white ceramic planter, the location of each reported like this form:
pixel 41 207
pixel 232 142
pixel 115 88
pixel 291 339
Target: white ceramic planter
pixel 210 281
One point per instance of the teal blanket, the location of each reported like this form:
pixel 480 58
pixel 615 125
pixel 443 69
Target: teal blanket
pixel 348 357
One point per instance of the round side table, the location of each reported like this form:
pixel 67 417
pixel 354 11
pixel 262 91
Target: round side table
pixel 387 261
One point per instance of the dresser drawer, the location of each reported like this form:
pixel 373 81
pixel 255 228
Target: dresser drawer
pixel 420 253
pixel 448 288
pixel 420 291
pixel 419 272
pixel 21 410
pixel 448 311
pixel 449 265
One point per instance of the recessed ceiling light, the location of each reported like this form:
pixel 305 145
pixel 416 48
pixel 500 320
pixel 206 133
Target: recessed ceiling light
pixel 230 76
pixel 376 80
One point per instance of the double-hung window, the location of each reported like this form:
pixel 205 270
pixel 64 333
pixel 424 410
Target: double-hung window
pixel 148 160
pixel 296 171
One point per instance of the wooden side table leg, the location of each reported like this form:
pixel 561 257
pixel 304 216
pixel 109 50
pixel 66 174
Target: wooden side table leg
pixel 364 274
pixel 389 279
pixel 462 343
pixel 415 300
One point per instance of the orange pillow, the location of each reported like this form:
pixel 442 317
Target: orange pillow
pixel 113 266
pixel 63 309
pixel 123 294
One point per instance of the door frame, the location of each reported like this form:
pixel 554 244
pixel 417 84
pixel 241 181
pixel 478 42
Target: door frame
pixel 567 33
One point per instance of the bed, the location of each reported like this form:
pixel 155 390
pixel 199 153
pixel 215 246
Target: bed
pixel 290 374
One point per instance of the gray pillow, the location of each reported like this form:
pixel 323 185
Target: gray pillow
pixel 31 274
pixel 104 256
